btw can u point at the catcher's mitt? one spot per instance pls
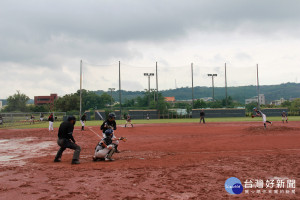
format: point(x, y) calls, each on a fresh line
point(124, 139)
point(252, 116)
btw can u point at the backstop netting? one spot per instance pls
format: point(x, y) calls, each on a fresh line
point(241, 81)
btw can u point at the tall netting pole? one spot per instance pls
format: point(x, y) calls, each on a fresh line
point(157, 106)
point(120, 95)
point(258, 103)
point(226, 99)
point(192, 85)
point(80, 106)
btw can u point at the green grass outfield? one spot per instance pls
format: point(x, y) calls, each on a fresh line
point(158, 121)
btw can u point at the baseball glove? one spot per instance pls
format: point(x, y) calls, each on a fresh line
point(252, 116)
point(124, 139)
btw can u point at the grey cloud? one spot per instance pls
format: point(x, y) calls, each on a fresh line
point(53, 34)
point(34, 31)
point(243, 56)
point(140, 20)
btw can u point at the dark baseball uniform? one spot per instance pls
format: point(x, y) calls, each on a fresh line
point(66, 140)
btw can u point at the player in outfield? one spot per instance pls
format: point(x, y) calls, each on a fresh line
point(284, 116)
point(110, 123)
point(128, 120)
point(258, 113)
point(83, 121)
point(32, 119)
point(51, 120)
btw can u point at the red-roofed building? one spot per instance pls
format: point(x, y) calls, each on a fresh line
point(170, 99)
point(42, 100)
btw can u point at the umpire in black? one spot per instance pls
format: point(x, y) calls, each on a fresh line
point(66, 140)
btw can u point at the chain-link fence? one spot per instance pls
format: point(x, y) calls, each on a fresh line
point(19, 119)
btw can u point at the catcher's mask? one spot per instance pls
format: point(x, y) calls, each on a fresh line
point(108, 133)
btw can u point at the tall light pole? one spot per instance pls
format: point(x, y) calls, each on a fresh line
point(213, 84)
point(149, 75)
point(111, 89)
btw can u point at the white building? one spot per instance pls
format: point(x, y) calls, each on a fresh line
point(278, 102)
point(262, 100)
point(206, 99)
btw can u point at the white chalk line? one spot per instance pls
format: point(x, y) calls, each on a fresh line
point(94, 132)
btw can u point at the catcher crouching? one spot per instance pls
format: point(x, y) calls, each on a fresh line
point(106, 148)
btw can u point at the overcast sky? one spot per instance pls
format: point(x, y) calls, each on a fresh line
point(43, 41)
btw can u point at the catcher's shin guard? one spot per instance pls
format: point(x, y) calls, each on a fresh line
point(110, 154)
point(116, 148)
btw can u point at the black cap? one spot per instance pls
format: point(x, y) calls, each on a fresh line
point(70, 118)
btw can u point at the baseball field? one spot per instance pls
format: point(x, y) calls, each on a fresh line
point(159, 161)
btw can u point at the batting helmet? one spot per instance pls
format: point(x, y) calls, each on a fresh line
point(111, 116)
point(254, 108)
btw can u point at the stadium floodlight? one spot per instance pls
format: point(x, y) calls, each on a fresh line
point(111, 89)
point(213, 84)
point(149, 75)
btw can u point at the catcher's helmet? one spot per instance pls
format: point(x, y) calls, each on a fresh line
point(111, 116)
point(108, 133)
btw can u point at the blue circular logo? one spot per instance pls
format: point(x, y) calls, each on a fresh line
point(233, 186)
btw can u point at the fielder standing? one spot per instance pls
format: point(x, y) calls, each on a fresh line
point(51, 120)
point(83, 121)
point(41, 117)
point(284, 116)
point(32, 119)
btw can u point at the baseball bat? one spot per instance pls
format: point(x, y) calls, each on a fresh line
point(100, 116)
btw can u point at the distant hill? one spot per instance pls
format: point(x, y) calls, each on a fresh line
point(240, 93)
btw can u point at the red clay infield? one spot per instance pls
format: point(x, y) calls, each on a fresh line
point(165, 161)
